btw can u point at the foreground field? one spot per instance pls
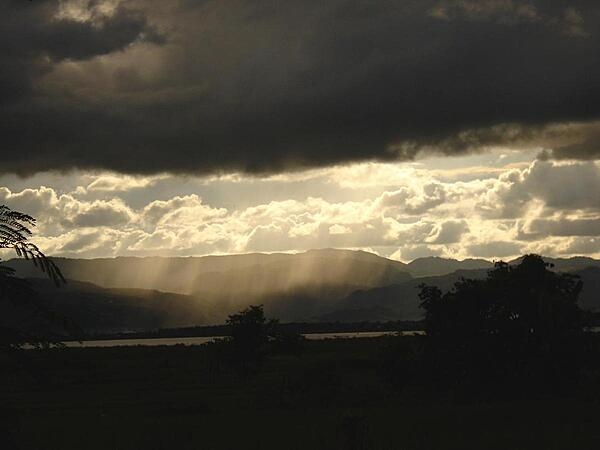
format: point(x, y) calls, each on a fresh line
point(330, 397)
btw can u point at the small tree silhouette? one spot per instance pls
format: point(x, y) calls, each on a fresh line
point(522, 320)
point(252, 337)
point(250, 332)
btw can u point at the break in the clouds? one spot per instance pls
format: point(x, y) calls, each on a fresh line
point(178, 86)
point(496, 205)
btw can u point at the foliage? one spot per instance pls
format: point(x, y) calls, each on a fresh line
point(33, 325)
point(521, 301)
point(253, 336)
point(250, 330)
point(14, 234)
point(521, 322)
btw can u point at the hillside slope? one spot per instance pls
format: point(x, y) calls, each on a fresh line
point(401, 301)
point(100, 310)
point(252, 274)
point(319, 285)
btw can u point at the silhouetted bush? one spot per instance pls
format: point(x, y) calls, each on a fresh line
point(252, 337)
point(519, 326)
point(249, 331)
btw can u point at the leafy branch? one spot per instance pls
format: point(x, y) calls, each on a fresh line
point(15, 230)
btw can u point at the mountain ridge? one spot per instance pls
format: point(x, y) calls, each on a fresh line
point(133, 293)
point(419, 267)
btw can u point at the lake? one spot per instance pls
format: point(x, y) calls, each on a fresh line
point(199, 340)
point(205, 339)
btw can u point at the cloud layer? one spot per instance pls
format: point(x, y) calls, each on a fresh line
point(147, 86)
point(397, 210)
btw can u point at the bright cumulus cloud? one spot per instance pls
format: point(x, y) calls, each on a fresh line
point(497, 205)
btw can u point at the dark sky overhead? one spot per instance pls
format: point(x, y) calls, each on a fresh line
point(456, 128)
point(267, 86)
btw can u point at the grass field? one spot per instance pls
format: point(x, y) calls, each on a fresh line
point(329, 397)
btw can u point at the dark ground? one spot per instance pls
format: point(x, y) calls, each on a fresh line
point(330, 397)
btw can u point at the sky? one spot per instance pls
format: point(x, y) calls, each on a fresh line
point(456, 128)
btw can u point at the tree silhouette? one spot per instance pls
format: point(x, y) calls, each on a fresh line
point(14, 234)
point(25, 319)
point(17, 296)
point(521, 320)
point(249, 331)
point(252, 337)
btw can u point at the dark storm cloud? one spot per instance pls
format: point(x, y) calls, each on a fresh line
point(264, 86)
point(33, 38)
point(587, 148)
point(563, 227)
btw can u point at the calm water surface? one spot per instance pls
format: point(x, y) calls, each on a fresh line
point(204, 340)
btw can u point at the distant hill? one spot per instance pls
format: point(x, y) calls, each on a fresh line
point(401, 301)
point(134, 294)
point(253, 275)
point(291, 286)
point(258, 274)
point(301, 285)
point(574, 264)
point(100, 310)
point(434, 265)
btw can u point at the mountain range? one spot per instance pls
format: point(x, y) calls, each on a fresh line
point(140, 294)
